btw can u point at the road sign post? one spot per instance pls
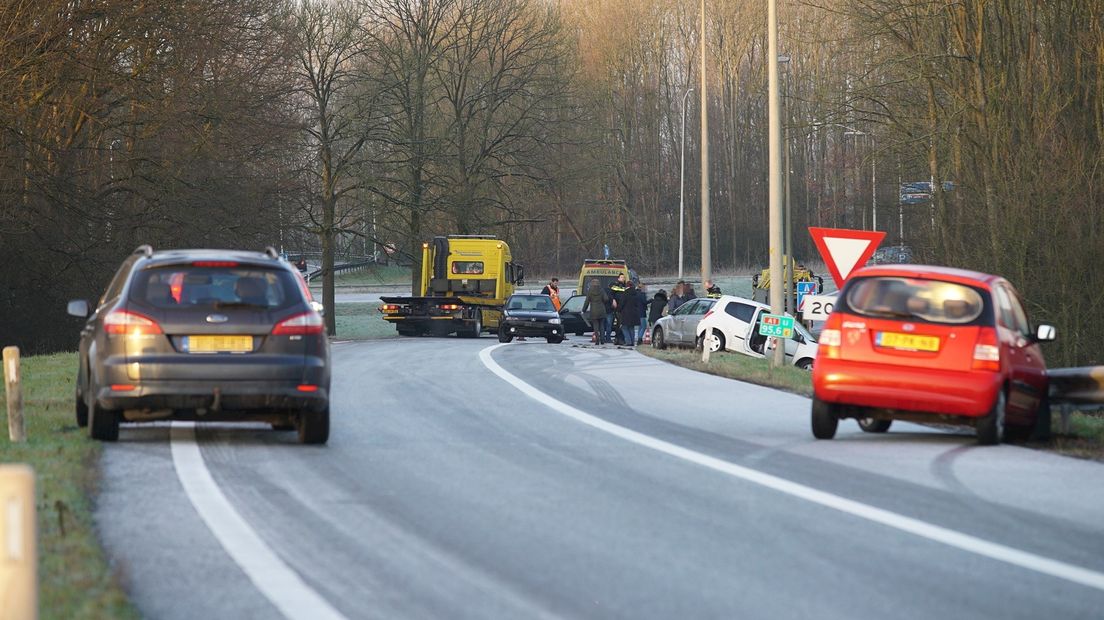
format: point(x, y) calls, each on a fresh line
point(18, 544)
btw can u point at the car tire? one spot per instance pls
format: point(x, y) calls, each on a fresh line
point(503, 336)
point(103, 424)
point(81, 411)
point(872, 425)
point(657, 339)
point(716, 342)
point(805, 364)
point(314, 427)
point(477, 326)
point(1040, 431)
point(825, 419)
point(555, 339)
point(990, 429)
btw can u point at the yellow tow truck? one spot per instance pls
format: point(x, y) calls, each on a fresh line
point(465, 281)
point(760, 282)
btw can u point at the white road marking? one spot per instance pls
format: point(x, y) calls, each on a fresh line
point(953, 538)
point(281, 585)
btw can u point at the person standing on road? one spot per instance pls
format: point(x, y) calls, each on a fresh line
point(596, 300)
point(630, 314)
point(656, 308)
point(642, 298)
point(677, 298)
point(552, 289)
point(615, 292)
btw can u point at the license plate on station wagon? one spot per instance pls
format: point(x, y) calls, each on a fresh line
point(218, 344)
point(907, 342)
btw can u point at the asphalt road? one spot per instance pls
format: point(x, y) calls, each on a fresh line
point(634, 490)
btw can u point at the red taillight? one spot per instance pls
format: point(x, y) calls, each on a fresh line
point(214, 263)
point(830, 339)
point(385, 308)
point(450, 306)
point(127, 323)
point(122, 387)
point(299, 325)
point(987, 350)
point(308, 388)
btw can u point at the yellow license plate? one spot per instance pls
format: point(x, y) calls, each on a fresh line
point(220, 344)
point(910, 342)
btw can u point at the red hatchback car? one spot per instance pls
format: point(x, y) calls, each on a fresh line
point(930, 344)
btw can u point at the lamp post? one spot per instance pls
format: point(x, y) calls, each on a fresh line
point(706, 257)
point(775, 152)
point(682, 177)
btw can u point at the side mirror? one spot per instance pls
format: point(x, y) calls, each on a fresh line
point(1045, 333)
point(318, 307)
point(78, 307)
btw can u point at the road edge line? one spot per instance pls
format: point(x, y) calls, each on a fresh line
point(273, 578)
point(965, 542)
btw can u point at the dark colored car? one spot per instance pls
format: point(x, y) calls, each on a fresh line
point(530, 315)
point(930, 344)
point(571, 316)
point(215, 335)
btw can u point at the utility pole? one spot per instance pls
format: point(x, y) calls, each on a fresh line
point(788, 249)
point(706, 258)
point(775, 176)
point(682, 177)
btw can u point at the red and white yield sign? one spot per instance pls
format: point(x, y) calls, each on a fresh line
point(843, 250)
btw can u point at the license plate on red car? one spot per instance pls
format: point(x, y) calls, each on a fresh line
point(907, 342)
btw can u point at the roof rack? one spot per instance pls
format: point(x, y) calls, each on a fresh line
point(144, 249)
point(271, 252)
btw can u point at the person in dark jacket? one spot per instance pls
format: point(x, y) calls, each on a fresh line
point(629, 311)
point(677, 297)
point(655, 309)
point(642, 297)
point(615, 291)
point(596, 300)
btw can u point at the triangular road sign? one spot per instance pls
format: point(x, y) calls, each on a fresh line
point(843, 250)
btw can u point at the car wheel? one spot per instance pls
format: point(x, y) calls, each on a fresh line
point(716, 341)
point(503, 336)
point(657, 339)
point(555, 339)
point(805, 364)
point(990, 429)
point(103, 424)
point(314, 427)
point(872, 425)
point(825, 420)
point(477, 325)
point(82, 411)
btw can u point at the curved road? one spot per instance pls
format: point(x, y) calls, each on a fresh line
point(631, 489)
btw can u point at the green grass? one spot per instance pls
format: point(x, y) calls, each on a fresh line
point(1085, 437)
point(362, 321)
point(741, 367)
point(74, 578)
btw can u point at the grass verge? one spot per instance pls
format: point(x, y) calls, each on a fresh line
point(1083, 439)
point(362, 321)
point(74, 578)
point(740, 367)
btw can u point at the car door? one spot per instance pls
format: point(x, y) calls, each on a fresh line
point(741, 315)
point(571, 315)
point(1027, 369)
point(677, 326)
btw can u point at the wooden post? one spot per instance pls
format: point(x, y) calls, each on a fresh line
point(16, 430)
point(18, 544)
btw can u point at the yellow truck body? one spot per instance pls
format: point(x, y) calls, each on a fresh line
point(463, 285)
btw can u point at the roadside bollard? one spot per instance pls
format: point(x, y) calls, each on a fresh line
point(18, 563)
point(16, 430)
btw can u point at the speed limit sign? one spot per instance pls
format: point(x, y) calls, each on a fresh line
point(817, 307)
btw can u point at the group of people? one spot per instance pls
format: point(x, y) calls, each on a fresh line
point(622, 312)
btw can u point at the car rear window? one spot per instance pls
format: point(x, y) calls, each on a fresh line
point(193, 286)
point(934, 301)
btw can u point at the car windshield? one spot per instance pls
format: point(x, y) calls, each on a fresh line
point(934, 301)
point(218, 287)
point(541, 303)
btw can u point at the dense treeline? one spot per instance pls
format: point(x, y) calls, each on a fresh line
point(355, 125)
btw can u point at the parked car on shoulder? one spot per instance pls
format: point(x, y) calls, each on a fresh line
point(530, 315)
point(930, 344)
point(218, 335)
point(679, 329)
point(733, 325)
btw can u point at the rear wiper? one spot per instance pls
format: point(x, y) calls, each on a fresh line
point(238, 304)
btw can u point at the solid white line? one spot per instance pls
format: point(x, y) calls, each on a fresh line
point(965, 542)
point(281, 585)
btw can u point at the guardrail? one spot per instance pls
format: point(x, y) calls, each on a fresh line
point(339, 268)
point(1077, 386)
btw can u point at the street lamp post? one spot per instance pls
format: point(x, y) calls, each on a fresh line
point(873, 172)
point(775, 167)
point(706, 257)
point(682, 177)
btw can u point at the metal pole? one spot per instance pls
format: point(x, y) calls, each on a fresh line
point(791, 292)
point(682, 178)
point(874, 180)
point(775, 175)
point(706, 258)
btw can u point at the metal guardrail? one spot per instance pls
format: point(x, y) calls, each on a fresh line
point(1080, 385)
point(339, 268)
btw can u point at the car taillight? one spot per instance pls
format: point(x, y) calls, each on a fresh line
point(707, 315)
point(830, 339)
point(127, 323)
point(299, 325)
point(450, 306)
point(385, 308)
point(214, 263)
point(987, 350)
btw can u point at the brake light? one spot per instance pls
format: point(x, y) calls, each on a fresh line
point(299, 325)
point(987, 350)
point(830, 339)
point(215, 263)
point(122, 387)
point(127, 323)
point(450, 306)
point(386, 308)
point(307, 388)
